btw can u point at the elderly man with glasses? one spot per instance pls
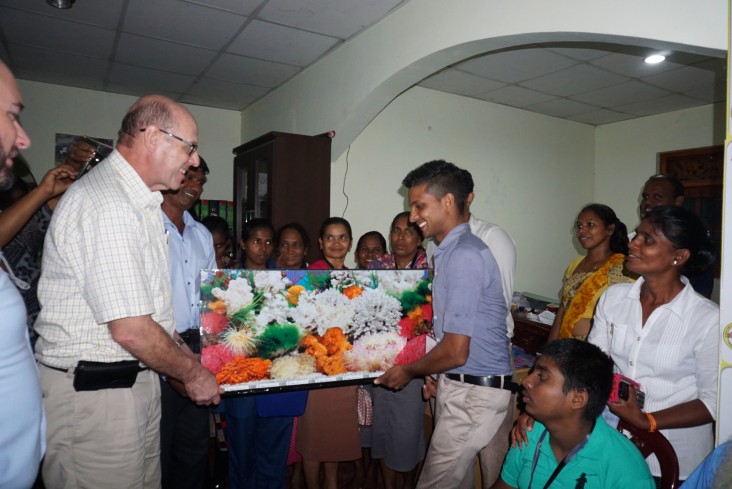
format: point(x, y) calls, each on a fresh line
point(106, 324)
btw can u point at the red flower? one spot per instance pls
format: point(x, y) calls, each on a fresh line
point(406, 327)
point(213, 323)
point(216, 356)
point(412, 351)
point(427, 312)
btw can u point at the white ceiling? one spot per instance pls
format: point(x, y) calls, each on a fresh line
point(229, 53)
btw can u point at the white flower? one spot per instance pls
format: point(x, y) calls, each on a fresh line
point(399, 281)
point(364, 278)
point(318, 311)
point(270, 282)
point(341, 279)
point(275, 310)
point(375, 312)
point(237, 296)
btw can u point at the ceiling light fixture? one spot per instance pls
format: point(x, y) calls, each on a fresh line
point(654, 59)
point(60, 3)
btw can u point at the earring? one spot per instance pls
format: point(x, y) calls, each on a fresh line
point(675, 262)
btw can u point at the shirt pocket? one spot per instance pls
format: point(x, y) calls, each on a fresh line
point(620, 336)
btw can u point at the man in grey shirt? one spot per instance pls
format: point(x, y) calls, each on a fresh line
point(472, 354)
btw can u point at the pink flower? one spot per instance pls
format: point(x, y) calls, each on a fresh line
point(213, 323)
point(216, 356)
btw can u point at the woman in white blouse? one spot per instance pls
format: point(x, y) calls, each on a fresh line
point(663, 335)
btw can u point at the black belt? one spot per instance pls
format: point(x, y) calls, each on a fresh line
point(64, 370)
point(495, 381)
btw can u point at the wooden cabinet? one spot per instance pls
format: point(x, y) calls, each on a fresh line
point(529, 335)
point(284, 178)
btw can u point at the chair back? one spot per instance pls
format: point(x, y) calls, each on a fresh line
point(655, 443)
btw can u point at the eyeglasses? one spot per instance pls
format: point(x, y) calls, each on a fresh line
point(192, 147)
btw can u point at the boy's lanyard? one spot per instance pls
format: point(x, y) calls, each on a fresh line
point(567, 458)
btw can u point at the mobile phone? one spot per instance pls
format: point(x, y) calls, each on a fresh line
point(621, 390)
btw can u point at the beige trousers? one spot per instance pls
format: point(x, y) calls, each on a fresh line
point(101, 439)
point(467, 419)
point(492, 456)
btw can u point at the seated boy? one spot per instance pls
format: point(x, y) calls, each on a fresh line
point(570, 445)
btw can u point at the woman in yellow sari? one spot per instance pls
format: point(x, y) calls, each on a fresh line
point(605, 237)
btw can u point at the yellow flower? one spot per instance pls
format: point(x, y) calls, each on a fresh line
point(415, 315)
point(219, 307)
point(293, 294)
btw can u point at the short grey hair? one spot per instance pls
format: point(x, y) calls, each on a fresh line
point(152, 110)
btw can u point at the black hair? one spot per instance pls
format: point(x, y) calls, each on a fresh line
point(335, 220)
point(253, 224)
point(378, 236)
point(202, 165)
point(300, 230)
point(676, 184)
point(410, 223)
point(684, 229)
point(216, 224)
point(585, 368)
point(619, 238)
point(442, 178)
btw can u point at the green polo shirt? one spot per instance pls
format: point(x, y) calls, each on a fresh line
point(609, 460)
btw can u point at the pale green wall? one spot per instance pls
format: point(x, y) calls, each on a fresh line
point(520, 162)
point(533, 173)
point(626, 152)
point(53, 108)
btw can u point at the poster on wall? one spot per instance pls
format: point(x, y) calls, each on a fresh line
point(275, 330)
point(64, 143)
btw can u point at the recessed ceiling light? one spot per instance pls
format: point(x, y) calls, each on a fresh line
point(60, 3)
point(654, 59)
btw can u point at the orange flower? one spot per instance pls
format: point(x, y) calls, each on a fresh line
point(352, 292)
point(242, 369)
point(313, 347)
point(327, 351)
point(331, 365)
point(335, 341)
point(293, 294)
point(219, 307)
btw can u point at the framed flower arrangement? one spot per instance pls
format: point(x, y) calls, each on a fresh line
point(274, 330)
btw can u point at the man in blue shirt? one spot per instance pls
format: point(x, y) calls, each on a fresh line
point(184, 426)
point(472, 354)
point(570, 445)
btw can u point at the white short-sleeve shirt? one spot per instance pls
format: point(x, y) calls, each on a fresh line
point(104, 258)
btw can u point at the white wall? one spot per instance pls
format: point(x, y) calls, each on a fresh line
point(520, 162)
point(51, 109)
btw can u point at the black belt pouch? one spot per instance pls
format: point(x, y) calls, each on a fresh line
point(94, 376)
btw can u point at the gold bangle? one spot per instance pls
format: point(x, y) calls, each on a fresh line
point(651, 420)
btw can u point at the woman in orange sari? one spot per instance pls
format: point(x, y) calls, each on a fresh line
point(605, 237)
